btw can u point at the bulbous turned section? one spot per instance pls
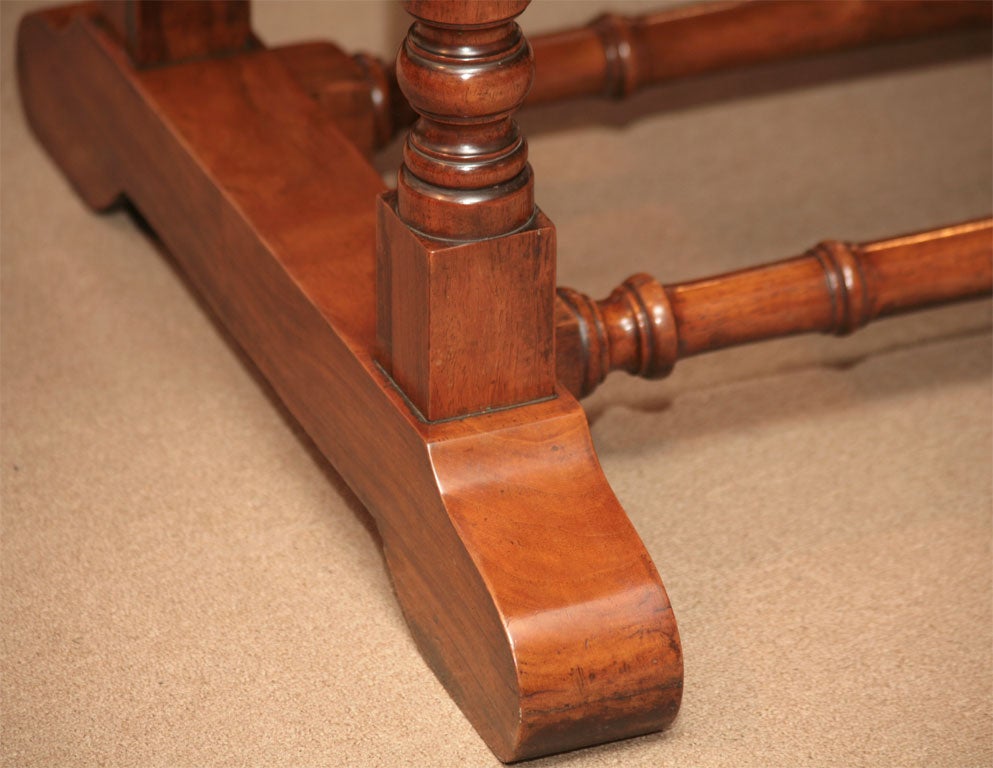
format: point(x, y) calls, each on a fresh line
point(465, 68)
point(389, 108)
point(633, 330)
point(835, 287)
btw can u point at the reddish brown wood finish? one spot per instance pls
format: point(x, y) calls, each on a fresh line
point(466, 264)
point(644, 328)
point(524, 583)
point(465, 68)
point(355, 90)
point(527, 589)
point(466, 327)
point(616, 55)
point(160, 31)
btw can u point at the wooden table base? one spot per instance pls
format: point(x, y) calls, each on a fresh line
point(524, 583)
point(527, 589)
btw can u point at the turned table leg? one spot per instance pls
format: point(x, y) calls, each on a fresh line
point(466, 263)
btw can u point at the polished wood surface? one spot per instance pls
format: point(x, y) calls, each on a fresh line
point(644, 327)
point(414, 337)
point(160, 31)
point(616, 55)
point(355, 90)
point(465, 68)
point(466, 264)
point(524, 583)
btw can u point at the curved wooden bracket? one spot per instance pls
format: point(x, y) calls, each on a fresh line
point(528, 590)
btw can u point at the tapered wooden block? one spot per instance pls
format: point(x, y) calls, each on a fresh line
point(466, 327)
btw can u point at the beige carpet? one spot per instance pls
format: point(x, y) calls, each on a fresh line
point(186, 583)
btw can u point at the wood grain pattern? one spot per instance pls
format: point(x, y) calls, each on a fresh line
point(527, 589)
point(644, 327)
point(523, 582)
point(615, 55)
point(353, 89)
point(465, 68)
point(162, 31)
point(466, 263)
point(466, 327)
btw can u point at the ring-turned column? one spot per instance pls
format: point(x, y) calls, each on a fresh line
point(466, 262)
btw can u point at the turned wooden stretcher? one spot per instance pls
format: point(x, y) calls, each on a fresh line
point(418, 334)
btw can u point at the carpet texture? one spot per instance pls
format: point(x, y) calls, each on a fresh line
point(186, 582)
